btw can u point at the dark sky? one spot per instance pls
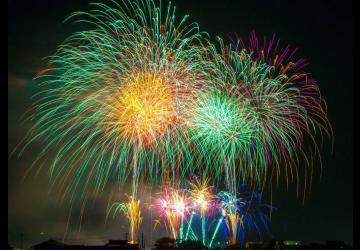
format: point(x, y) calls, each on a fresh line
point(321, 29)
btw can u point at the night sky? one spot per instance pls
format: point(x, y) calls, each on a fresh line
point(322, 30)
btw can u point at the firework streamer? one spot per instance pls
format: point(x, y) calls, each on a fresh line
point(231, 207)
point(217, 228)
point(254, 214)
point(189, 225)
point(201, 193)
point(131, 211)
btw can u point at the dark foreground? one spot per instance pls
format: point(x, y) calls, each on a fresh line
point(170, 244)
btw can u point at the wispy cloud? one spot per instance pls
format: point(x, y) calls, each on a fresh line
point(17, 81)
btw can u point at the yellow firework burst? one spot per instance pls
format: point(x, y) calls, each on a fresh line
point(142, 109)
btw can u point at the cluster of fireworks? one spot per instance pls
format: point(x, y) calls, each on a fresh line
point(181, 210)
point(141, 94)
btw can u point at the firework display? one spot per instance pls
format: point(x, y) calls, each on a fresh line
point(143, 99)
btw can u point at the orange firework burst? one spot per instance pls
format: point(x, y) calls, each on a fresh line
point(143, 109)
